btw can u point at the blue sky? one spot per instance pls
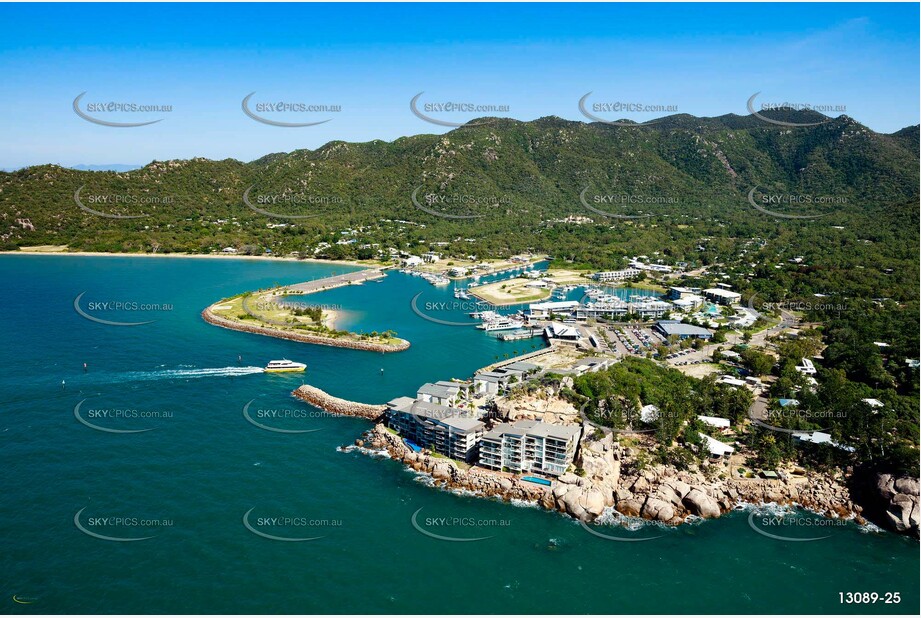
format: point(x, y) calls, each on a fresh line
point(202, 59)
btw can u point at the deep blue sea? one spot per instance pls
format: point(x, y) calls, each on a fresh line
point(74, 497)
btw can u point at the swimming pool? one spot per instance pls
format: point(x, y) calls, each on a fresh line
point(534, 479)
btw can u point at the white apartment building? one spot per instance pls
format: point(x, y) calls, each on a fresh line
point(616, 275)
point(530, 446)
point(443, 429)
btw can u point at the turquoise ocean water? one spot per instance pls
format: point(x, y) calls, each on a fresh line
point(188, 482)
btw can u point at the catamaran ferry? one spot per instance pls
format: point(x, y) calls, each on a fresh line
point(500, 323)
point(278, 366)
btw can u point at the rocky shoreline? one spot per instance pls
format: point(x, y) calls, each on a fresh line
point(660, 494)
point(209, 316)
point(610, 478)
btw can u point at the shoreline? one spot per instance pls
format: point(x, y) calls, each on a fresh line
point(368, 346)
point(264, 327)
point(207, 256)
point(662, 494)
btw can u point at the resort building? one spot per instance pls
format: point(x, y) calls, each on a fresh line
point(499, 379)
point(675, 292)
point(714, 421)
point(442, 392)
point(806, 367)
point(683, 331)
point(530, 446)
point(715, 447)
point(443, 429)
point(616, 275)
point(688, 302)
point(721, 296)
point(431, 257)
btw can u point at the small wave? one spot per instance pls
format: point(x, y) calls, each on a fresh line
point(612, 517)
point(870, 528)
point(524, 504)
point(354, 448)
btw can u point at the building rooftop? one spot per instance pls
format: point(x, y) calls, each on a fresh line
point(549, 306)
point(533, 428)
point(715, 446)
point(439, 390)
point(670, 327)
point(722, 293)
point(521, 366)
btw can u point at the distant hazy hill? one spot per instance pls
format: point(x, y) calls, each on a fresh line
point(107, 167)
point(513, 176)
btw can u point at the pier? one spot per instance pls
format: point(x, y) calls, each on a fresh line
point(336, 281)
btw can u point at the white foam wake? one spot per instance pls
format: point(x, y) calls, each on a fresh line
point(174, 374)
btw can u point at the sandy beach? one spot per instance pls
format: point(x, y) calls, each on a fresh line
point(53, 250)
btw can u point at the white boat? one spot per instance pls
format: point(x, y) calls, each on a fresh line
point(501, 323)
point(461, 293)
point(279, 366)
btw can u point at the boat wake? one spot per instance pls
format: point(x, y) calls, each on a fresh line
point(183, 374)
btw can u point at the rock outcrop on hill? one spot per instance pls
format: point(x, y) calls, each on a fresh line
point(900, 501)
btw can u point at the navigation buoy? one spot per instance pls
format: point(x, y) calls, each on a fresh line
point(382, 370)
point(84, 367)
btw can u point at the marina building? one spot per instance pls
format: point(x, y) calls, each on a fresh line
point(443, 429)
point(555, 331)
point(542, 311)
point(529, 446)
point(613, 308)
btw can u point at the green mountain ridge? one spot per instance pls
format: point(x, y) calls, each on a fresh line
point(509, 178)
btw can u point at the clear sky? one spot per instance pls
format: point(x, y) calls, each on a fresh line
point(202, 59)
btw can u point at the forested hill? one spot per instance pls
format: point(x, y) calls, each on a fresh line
point(502, 184)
